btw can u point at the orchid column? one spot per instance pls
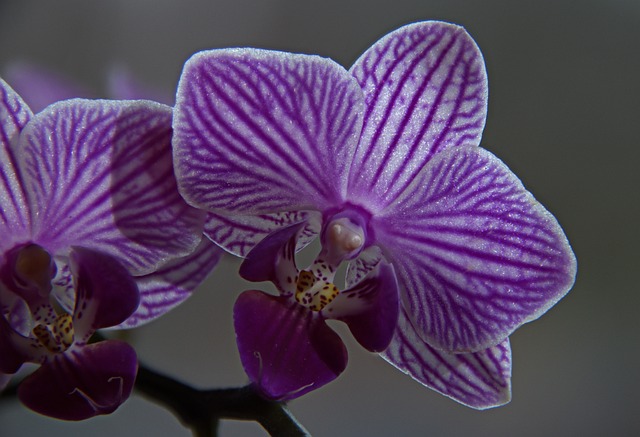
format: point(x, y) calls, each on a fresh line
point(448, 253)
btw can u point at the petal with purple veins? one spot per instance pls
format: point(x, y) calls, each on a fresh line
point(14, 215)
point(259, 131)
point(174, 282)
point(479, 380)
point(425, 89)
point(475, 254)
point(83, 382)
point(285, 349)
point(99, 174)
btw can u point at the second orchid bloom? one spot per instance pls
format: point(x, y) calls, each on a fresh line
point(447, 252)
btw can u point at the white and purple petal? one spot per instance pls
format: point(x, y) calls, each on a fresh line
point(172, 283)
point(479, 380)
point(83, 382)
point(238, 234)
point(476, 255)
point(259, 131)
point(285, 349)
point(99, 174)
point(425, 89)
point(14, 215)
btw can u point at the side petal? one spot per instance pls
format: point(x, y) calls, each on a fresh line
point(99, 174)
point(14, 215)
point(273, 259)
point(15, 349)
point(174, 282)
point(106, 294)
point(259, 131)
point(83, 382)
point(285, 349)
point(479, 380)
point(369, 308)
point(476, 255)
point(238, 234)
point(425, 90)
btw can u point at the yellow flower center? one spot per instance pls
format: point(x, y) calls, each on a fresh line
point(314, 293)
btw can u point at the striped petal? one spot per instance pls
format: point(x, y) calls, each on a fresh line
point(172, 283)
point(258, 131)
point(425, 90)
point(479, 380)
point(14, 219)
point(476, 255)
point(238, 234)
point(99, 175)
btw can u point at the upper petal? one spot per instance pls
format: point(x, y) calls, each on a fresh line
point(14, 216)
point(476, 255)
point(479, 380)
point(99, 174)
point(425, 89)
point(83, 382)
point(172, 283)
point(259, 131)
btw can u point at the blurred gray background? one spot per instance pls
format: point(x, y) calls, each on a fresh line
point(564, 106)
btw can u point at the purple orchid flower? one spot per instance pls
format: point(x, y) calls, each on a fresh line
point(92, 230)
point(447, 252)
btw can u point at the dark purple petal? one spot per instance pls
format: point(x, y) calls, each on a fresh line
point(369, 308)
point(14, 215)
point(40, 87)
point(479, 380)
point(259, 131)
point(425, 90)
point(173, 283)
point(273, 259)
point(285, 349)
point(83, 382)
point(99, 174)
point(106, 294)
point(238, 234)
point(476, 255)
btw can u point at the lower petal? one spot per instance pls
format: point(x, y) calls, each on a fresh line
point(83, 382)
point(479, 380)
point(285, 349)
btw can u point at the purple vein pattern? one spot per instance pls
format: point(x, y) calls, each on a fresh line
point(389, 153)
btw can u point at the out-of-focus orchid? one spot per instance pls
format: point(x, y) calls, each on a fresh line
point(92, 228)
point(39, 87)
point(383, 162)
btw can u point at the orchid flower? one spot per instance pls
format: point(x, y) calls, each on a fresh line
point(447, 252)
point(93, 229)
